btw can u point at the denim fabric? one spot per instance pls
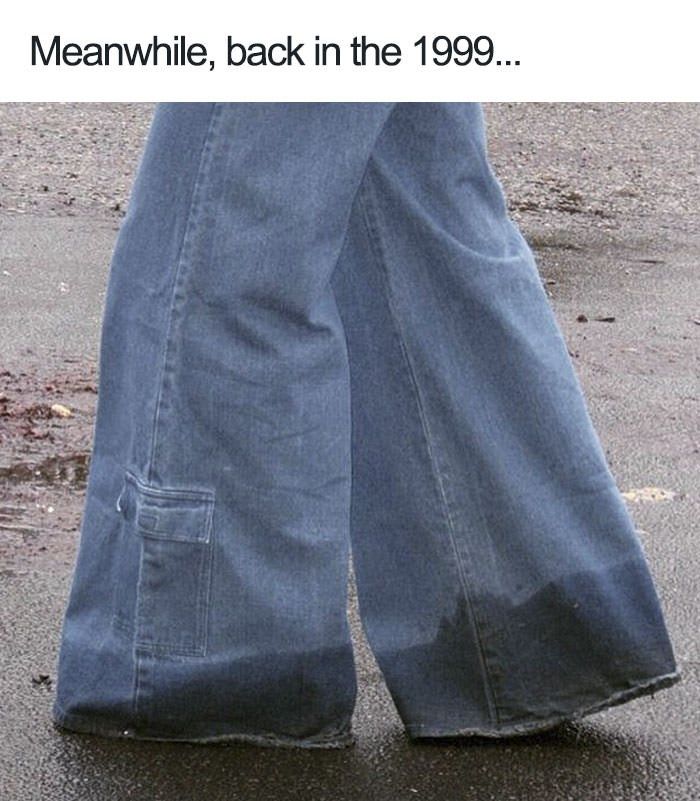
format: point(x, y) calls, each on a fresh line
point(323, 331)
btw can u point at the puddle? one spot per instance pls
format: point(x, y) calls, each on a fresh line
point(47, 408)
point(71, 469)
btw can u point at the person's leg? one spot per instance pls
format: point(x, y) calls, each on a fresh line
point(501, 581)
point(209, 594)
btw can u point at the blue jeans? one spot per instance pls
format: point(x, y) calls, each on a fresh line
point(323, 331)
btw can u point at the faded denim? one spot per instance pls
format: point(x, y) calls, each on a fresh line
point(322, 330)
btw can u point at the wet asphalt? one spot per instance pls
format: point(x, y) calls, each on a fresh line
point(608, 196)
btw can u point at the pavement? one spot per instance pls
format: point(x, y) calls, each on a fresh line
point(608, 196)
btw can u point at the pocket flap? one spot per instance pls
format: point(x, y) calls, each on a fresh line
point(183, 514)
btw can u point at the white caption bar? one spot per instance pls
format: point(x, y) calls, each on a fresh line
point(299, 51)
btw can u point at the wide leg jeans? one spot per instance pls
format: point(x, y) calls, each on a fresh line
point(322, 331)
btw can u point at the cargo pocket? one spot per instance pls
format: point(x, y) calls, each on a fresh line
point(164, 598)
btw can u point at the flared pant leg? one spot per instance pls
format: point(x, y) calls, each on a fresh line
point(501, 582)
point(209, 594)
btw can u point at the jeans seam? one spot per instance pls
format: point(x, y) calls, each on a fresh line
point(136, 701)
point(183, 253)
point(378, 252)
point(358, 191)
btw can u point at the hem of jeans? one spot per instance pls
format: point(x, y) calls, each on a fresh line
point(427, 730)
point(83, 724)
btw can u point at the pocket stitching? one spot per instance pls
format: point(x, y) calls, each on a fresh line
point(203, 511)
point(175, 493)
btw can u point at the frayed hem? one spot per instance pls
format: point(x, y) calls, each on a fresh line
point(82, 725)
point(417, 731)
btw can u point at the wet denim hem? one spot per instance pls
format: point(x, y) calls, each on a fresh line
point(425, 730)
point(114, 729)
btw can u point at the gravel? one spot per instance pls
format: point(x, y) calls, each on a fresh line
point(563, 165)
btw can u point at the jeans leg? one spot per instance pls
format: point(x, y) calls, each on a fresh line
point(209, 594)
point(501, 581)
